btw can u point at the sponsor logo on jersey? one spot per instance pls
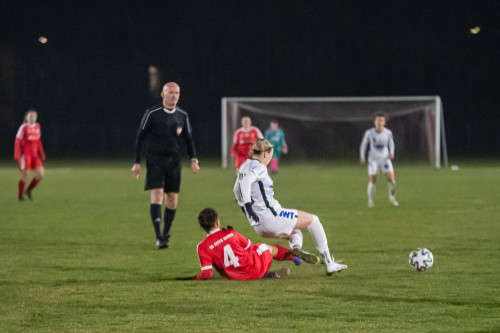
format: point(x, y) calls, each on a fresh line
point(219, 241)
point(288, 215)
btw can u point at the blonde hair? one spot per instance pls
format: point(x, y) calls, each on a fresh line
point(25, 121)
point(260, 146)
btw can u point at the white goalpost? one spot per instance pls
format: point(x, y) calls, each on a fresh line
point(332, 127)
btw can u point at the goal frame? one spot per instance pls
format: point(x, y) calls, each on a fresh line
point(439, 130)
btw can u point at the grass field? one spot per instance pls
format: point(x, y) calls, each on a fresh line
point(81, 256)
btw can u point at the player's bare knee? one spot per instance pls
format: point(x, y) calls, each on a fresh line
point(171, 200)
point(390, 177)
point(24, 176)
point(157, 196)
point(304, 220)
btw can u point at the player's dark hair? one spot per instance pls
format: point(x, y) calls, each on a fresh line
point(260, 146)
point(207, 219)
point(380, 114)
point(274, 121)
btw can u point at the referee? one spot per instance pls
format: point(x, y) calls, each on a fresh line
point(164, 125)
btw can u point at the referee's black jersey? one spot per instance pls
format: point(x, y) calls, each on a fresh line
point(164, 130)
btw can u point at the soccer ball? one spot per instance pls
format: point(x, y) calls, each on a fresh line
point(421, 259)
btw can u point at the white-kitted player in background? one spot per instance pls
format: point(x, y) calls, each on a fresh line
point(255, 194)
point(379, 157)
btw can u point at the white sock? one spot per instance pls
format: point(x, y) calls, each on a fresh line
point(319, 237)
point(371, 191)
point(392, 189)
point(295, 239)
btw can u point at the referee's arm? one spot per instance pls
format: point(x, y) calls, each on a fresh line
point(139, 140)
point(188, 139)
point(141, 135)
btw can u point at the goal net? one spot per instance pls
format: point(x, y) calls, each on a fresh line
point(331, 128)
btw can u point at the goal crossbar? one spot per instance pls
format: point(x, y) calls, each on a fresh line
point(347, 109)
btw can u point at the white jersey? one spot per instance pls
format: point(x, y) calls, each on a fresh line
point(381, 144)
point(253, 184)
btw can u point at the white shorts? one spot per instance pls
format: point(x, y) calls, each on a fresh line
point(375, 165)
point(279, 226)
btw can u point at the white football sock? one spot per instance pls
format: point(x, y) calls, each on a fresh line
point(319, 237)
point(371, 191)
point(392, 189)
point(295, 239)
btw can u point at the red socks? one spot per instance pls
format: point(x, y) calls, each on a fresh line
point(283, 253)
point(33, 184)
point(21, 189)
point(22, 185)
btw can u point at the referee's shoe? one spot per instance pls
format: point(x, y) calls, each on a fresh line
point(161, 242)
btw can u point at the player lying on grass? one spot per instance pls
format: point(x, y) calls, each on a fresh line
point(234, 256)
point(255, 194)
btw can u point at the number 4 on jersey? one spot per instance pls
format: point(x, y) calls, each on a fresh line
point(229, 257)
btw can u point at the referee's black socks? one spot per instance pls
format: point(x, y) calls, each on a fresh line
point(155, 212)
point(168, 219)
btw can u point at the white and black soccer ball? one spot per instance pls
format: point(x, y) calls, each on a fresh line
point(421, 259)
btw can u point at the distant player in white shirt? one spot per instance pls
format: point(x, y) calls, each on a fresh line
point(255, 195)
point(379, 157)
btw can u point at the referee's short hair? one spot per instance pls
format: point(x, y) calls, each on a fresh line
point(207, 219)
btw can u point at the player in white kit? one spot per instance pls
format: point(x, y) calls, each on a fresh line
point(255, 195)
point(379, 157)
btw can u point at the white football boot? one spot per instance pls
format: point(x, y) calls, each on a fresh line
point(332, 266)
point(393, 201)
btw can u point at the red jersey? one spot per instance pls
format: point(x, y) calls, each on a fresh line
point(243, 141)
point(233, 256)
point(28, 142)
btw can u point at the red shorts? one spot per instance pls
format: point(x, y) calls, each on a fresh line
point(262, 259)
point(266, 258)
point(240, 159)
point(28, 162)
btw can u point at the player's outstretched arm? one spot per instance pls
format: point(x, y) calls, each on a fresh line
point(204, 275)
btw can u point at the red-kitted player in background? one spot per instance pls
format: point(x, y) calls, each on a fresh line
point(28, 150)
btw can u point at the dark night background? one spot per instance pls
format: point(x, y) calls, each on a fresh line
point(90, 82)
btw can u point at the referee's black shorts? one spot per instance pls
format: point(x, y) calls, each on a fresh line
point(163, 172)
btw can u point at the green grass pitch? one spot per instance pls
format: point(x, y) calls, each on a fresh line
point(81, 256)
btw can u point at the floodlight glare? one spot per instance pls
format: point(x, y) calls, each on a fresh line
point(475, 30)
